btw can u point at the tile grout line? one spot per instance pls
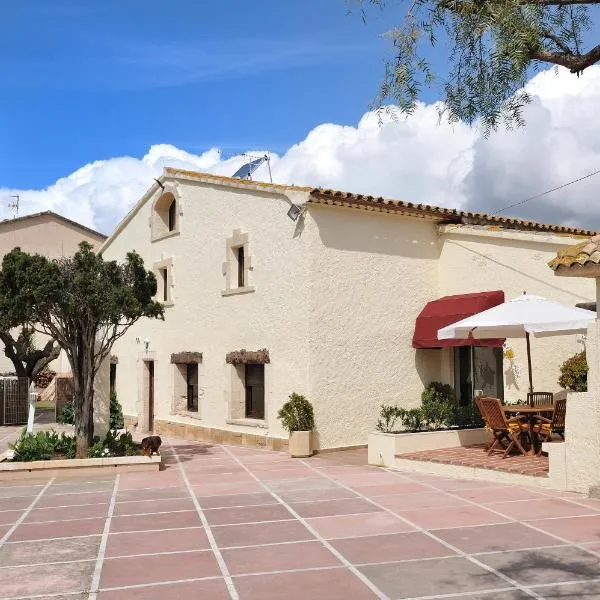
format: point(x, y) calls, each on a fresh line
point(272, 544)
point(569, 500)
point(321, 539)
point(428, 533)
point(103, 542)
point(91, 535)
point(467, 594)
point(530, 526)
point(25, 514)
point(209, 534)
point(462, 594)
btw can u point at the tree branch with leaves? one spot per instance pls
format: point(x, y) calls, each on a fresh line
point(85, 304)
point(495, 46)
point(28, 360)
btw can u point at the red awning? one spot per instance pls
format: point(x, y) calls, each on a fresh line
point(451, 309)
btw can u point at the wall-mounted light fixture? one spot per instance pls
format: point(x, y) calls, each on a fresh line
point(294, 212)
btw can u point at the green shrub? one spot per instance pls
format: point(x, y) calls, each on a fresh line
point(438, 405)
point(31, 447)
point(66, 414)
point(127, 446)
point(414, 420)
point(297, 414)
point(99, 450)
point(46, 445)
point(116, 413)
point(114, 444)
point(573, 373)
point(388, 415)
point(65, 445)
point(468, 416)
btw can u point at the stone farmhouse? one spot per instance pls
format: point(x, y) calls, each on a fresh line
point(272, 289)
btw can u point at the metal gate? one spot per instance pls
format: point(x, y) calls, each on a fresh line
point(14, 399)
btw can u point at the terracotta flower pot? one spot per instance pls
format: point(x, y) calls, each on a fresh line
point(300, 444)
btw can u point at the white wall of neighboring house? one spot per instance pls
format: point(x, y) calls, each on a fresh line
point(52, 236)
point(335, 300)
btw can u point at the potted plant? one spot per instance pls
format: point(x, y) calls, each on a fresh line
point(297, 417)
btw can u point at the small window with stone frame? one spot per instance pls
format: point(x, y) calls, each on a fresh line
point(191, 370)
point(254, 384)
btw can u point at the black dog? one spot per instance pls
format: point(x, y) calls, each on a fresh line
point(150, 445)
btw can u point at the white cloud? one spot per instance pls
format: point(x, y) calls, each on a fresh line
point(413, 159)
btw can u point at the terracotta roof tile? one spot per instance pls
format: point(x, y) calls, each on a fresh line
point(447, 215)
point(578, 255)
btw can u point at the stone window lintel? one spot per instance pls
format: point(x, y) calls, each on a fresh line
point(178, 358)
point(248, 357)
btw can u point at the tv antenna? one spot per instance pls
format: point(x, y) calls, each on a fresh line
point(246, 170)
point(15, 205)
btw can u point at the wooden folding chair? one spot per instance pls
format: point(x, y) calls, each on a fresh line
point(546, 428)
point(506, 433)
point(540, 398)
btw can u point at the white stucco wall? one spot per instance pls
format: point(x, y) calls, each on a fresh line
point(370, 276)
point(475, 259)
point(201, 319)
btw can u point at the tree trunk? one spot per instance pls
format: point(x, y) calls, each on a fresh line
point(83, 398)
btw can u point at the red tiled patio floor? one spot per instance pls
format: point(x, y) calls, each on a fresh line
point(474, 456)
point(223, 522)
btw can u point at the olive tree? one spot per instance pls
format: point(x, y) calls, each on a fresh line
point(492, 48)
point(85, 304)
point(28, 360)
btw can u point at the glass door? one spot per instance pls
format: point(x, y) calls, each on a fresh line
point(476, 368)
point(487, 372)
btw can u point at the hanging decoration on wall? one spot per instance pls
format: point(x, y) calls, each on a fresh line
point(509, 355)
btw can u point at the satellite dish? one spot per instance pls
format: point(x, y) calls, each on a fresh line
point(246, 170)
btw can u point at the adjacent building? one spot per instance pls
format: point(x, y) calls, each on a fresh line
point(51, 235)
point(272, 289)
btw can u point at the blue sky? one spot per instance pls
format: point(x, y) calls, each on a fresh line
point(97, 96)
point(94, 79)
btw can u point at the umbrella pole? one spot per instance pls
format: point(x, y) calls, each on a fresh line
point(529, 362)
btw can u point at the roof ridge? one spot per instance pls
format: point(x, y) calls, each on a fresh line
point(328, 196)
point(51, 213)
point(202, 175)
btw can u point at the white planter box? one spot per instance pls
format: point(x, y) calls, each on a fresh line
point(77, 466)
point(383, 447)
point(300, 444)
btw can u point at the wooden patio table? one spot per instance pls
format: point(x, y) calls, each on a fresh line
point(530, 412)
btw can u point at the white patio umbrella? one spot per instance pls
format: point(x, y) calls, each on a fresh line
point(519, 318)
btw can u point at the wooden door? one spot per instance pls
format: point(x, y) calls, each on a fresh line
point(150, 365)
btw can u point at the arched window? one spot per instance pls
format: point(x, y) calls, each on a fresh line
point(172, 215)
point(165, 217)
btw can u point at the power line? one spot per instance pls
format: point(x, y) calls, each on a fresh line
point(560, 187)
